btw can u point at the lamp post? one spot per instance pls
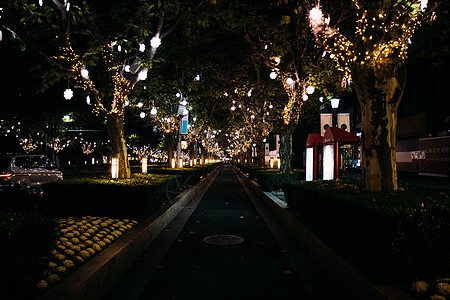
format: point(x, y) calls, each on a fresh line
point(335, 106)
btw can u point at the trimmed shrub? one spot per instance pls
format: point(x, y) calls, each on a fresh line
point(135, 198)
point(401, 234)
point(270, 179)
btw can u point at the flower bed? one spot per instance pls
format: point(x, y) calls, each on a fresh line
point(390, 238)
point(77, 241)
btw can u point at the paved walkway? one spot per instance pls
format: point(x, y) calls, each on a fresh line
point(268, 264)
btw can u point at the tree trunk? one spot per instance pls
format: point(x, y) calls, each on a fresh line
point(379, 93)
point(260, 153)
point(192, 153)
point(286, 149)
point(114, 123)
point(169, 139)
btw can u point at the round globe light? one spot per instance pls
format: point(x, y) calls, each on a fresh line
point(289, 81)
point(315, 14)
point(310, 90)
point(273, 75)
point(155, 42)
point(85, 73)
point(68, 94)
point(142, 74)
point(142, 115)
point(153, 112)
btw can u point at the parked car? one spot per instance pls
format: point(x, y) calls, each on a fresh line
point(28, 169)
point(19, 196)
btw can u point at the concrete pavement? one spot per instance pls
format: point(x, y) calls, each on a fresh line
point(266, 264)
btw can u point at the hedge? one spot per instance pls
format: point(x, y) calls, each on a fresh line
point(402, 235)
point(25, 240)
point(270, 179)
point(135, 198)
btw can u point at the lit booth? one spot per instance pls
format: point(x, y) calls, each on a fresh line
point(332, 141)
point(313, 143)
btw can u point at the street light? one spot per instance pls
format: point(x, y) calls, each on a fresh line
point(334, 106)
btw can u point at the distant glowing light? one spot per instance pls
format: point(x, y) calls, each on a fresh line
point(277, 59)
point(197, 78)
point(225, 94)
point(141, 47)
point(233, 108)
point(305, 97)
point(310, 90)
point(155, 42)
point(41, 2)
point(289, 81)
point(153, 112)
point(142, 74)
point(68, 94)
point(316, 15)
point(119, 48)
point(88, 100)
point(142, 115)
point(85, 73)
point(273, 75)
point(249, 94)
point(127, 68)
point(423, 4)
point(140, 104)
point(178, 95)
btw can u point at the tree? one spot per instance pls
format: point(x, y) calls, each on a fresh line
point(106, 59)
point(374, 60)
point(279, 37)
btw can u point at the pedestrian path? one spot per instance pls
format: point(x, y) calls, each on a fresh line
point(201, 263)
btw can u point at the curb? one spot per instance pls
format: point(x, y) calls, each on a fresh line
point(342, 273)
point(99, 275)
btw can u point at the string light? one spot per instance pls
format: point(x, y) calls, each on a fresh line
point(380, 40)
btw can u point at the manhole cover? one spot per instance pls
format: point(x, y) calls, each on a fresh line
point(223, 239)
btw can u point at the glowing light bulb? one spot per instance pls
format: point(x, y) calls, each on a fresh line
point(153, 112)
point(289, 81)
point(68, 94)
point(84, 73)
point(273, 75)
point(142, 74)
point(127, 68)
point(141, 47)
point(88, 100)
point(142, 115)
point(315, 15)
point(140, 104)
point(310, 90)
point(305, 97)
point(155, 42)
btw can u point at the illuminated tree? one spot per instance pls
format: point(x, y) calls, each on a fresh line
point(373, 58)
point(106, 51)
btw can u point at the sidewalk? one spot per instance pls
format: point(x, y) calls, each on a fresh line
point(267, 264)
